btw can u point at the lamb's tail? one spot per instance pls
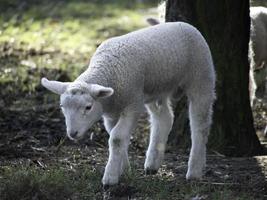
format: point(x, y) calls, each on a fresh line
point(152, 21)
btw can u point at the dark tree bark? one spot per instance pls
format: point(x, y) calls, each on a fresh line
point(225, 24)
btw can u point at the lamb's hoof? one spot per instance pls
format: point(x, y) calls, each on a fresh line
point(150, 171)
point(110, 180)
point(106, 187)
point(109, 187)
point(193, 176)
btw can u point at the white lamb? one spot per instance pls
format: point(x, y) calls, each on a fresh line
point(257, 49)
point(144, 67)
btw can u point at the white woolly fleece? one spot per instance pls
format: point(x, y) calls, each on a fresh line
point(143, 64)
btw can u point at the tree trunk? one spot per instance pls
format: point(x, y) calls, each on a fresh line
point(225, 24)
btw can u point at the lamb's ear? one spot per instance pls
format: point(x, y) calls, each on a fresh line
point(152, 21)
point(99, 91)
point(55, 86)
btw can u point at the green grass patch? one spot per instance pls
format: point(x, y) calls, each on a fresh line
point(85, 183)
point(258, 3)
point(36, 36)
point(52, 183)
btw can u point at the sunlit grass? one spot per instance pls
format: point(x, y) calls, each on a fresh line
point(60, 35)
point(258, 3)
point(70, 27)
point(71, 35)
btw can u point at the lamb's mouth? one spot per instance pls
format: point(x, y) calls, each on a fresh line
point(76, 137)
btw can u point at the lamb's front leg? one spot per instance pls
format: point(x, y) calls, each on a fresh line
point(118, 148)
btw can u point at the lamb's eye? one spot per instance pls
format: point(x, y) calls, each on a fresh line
point(88, 107)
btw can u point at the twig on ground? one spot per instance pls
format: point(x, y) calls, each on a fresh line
point(61, 142)
point(217, 183)
point(218, 154)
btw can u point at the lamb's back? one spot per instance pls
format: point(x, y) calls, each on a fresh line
point(162, 55)
point(150, 61)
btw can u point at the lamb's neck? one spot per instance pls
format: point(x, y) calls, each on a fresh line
point(94, 76)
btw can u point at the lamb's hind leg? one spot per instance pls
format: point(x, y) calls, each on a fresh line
point(161, 119)
point(200, 114)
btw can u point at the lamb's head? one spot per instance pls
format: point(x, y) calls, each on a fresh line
point(80, 103)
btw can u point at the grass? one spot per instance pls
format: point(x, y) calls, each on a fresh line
point(59, 35)
point(55, 183)
point(258, 3)
point(84, 182)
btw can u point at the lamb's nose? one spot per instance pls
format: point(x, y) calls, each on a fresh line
point(73, 134)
